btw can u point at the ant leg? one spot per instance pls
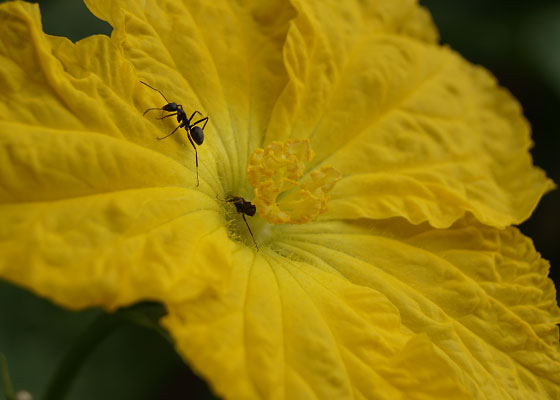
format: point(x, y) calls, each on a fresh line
point(169, 115)
point(205, 119)
point(250, 231)
point(193, 114)
point(150, 109)
point(178, 126)
point(196, 157)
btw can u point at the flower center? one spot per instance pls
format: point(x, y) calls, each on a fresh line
point(280, 198)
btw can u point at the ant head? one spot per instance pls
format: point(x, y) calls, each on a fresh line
point(171, 107)
point(242, 206)
point(249, 209)
point(197, 135)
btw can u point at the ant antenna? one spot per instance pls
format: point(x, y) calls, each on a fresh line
point(159, 91)
point(250, 231)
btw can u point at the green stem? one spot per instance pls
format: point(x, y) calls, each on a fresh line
point(70, 365)
point(7, 382)
point(145, 315)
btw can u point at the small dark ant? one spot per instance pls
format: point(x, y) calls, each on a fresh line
point(194, 132)
point(244, 207)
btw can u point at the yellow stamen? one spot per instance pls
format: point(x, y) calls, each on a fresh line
point(276, 170)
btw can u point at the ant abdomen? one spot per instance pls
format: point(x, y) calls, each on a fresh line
point(197, 135)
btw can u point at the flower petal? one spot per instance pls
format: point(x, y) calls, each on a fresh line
point(320, 44)
point(470, 305)
point(224, 59)
point(87, 87)
point(288, 329)
point(117, 248)
point(89, 213)
point(417, 131)
point(480, 294)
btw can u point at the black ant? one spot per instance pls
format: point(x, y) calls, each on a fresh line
point(194, 132)
point(244, 207)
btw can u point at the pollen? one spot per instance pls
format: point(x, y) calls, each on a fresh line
point(280, 197)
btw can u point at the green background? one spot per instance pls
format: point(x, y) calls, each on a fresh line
point(518, 41)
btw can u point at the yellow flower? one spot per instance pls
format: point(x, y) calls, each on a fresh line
point(275, 171)
point(409, 283)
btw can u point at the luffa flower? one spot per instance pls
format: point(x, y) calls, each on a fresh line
point(402, 280)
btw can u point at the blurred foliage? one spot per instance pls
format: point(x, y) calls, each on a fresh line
point(70, 18)
point(132, 363)
point(518, 41)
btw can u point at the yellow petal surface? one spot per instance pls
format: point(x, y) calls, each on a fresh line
point(287, 329)
point(116, 248)
point(380, 310)
point(417, 131)
point(223, 58)
point(480, 294)
point(92, 211)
